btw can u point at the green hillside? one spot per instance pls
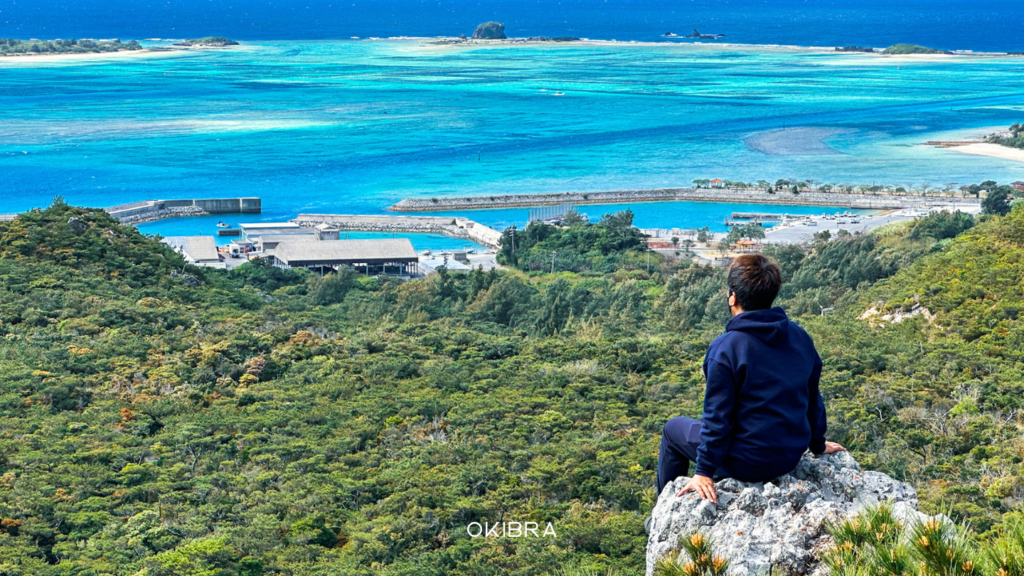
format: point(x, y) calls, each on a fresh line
point(159, 419)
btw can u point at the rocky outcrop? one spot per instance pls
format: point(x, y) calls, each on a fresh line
point(77, 226)
point(776, 526)
point(697, 34)
point(552, 39)
point(490, 31)
point(209, 41)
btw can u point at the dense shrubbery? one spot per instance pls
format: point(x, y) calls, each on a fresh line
point(577, 246)
point(878, 542)
point(1015, 139)
point(157, 418)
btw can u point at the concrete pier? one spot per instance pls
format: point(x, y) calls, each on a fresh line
point(729, 195)
point(456, 227)
point(150, 210)
point(756, 216)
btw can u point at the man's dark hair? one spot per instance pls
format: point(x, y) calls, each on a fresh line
point(755, 280)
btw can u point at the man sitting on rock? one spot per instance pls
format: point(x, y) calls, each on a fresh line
point(762, 407)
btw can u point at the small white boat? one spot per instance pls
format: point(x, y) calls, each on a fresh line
point(559, 93)
point(223, 225)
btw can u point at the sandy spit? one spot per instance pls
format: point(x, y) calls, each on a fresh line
point(994, 150)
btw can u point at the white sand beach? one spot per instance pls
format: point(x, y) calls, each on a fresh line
point(994, 150)
point(37, 58)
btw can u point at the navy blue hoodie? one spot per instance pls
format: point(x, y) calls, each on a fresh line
point(762, 407)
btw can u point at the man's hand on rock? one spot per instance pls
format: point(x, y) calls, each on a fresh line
point(703, 486)
point(833, 447)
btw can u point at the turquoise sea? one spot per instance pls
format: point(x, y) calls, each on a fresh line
point(354, 126)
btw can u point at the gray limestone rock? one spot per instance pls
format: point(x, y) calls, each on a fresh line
point(77, 226)
point(780, 523)
point(490, 31)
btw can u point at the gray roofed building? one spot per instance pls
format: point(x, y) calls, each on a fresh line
point(386, 256)
point(268, 243)
point(199, 250)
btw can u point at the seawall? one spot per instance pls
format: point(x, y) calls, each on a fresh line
point(730, 195)
point(456, 227)
point(150, 210)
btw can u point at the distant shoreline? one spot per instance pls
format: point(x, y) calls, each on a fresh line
point(457, 42)
point(454, 42)
point(58, 56)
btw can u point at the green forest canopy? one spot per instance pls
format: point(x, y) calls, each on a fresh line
point(160, 419)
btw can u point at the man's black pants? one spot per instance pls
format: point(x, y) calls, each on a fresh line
point(679, 442)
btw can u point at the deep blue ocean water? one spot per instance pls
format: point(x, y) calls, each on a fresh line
point(311, 123)
point(992, 25)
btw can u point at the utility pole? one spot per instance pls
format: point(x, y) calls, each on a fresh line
point(648, 259)
point(513, 239)
point(553, 252)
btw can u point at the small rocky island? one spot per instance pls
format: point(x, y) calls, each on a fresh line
point(905, 49)
point(208, 42)
point(698, 35)
point(490, 31)
point(494, 32)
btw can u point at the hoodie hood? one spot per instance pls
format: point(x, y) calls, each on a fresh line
point(769, 326)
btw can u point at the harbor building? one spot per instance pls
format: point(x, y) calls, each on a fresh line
point(392, 256)
point(198, 250)
point(325, 231)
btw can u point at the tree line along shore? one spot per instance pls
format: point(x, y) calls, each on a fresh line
point(36, 47)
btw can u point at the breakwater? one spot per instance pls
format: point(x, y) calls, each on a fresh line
point(730, 195)
point(456, 227)
point(151, 210)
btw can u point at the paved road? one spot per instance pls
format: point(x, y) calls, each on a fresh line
point(801, 232)
point(488, 261)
